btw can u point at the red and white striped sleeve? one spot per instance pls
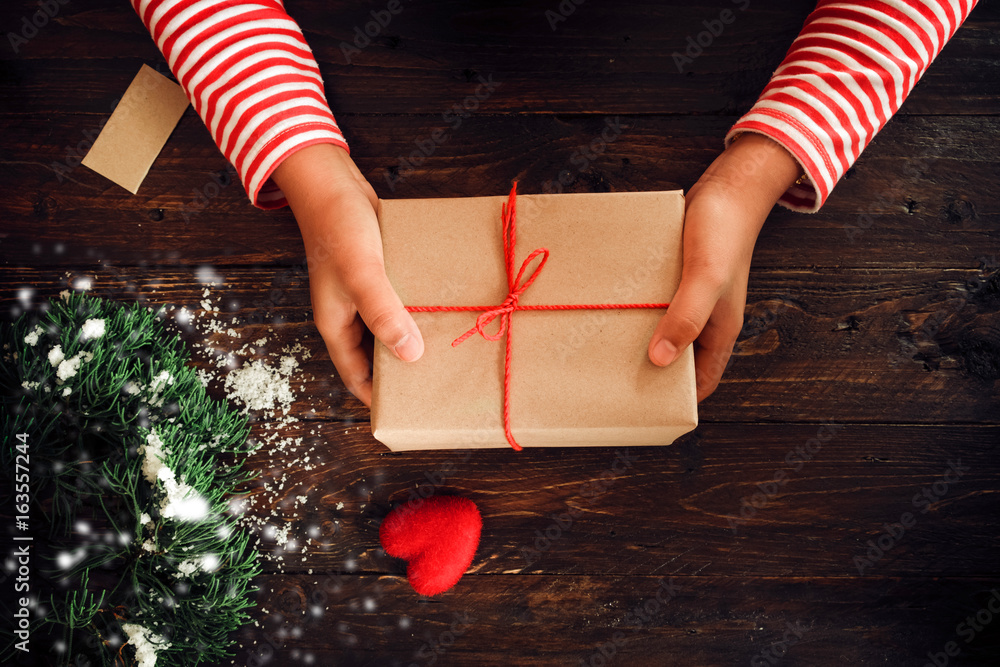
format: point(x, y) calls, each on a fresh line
point(252, 78)
point(844, 76)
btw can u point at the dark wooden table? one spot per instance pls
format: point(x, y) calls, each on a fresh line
point(872, 338)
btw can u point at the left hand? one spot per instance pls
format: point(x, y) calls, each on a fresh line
point(724, 212)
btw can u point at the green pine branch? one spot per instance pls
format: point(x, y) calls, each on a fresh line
point(86, 434)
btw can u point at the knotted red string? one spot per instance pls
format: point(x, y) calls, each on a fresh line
point(515, 288)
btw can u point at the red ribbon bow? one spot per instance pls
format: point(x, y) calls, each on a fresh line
point(515, 288)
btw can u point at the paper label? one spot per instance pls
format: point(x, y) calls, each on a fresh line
point(137, 130)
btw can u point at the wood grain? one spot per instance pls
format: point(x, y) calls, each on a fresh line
point(924, 194)
point(606, 58)
point(905, 346)
point(560, 512)
point(875, 322)
point(563, 620)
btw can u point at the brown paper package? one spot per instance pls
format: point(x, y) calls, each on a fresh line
point(580, 377)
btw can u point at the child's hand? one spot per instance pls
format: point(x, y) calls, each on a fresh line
point(335, 208)
point(725, 211)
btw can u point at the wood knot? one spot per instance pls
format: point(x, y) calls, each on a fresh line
point(44, 207)
point(958, 210)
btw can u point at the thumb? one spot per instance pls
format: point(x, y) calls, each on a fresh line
point(683, 322)
point(383, 312)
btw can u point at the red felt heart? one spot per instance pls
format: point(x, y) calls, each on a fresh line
point(438, 539)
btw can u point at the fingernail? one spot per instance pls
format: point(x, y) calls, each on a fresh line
point(408, 348)
point(664, 352)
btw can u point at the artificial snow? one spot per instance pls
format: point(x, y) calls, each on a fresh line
point(261, 383)
point(181, 501)
point(207, 563)
point(32, 338)
point(145, 522)
point(204, 376)
point(158, 384)
point(153, 458)
point(56, 355)
point(145, 642)
point(67, 368)
point(281, 535)
point(92, 328)
point(161, 381)
point(260, 386)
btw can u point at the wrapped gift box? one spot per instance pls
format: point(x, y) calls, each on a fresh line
point(577, 377)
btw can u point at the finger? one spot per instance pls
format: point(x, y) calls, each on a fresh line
point(383, 312)
point(683, 322)
point(342, 331)
point(711, 357)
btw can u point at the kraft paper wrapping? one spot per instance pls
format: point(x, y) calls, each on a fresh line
point(579, 378)
point(138, 128)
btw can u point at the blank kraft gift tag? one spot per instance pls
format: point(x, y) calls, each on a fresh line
point(136, 131)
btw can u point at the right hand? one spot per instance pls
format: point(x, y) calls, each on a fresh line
point(335, 209)
point(724, 213)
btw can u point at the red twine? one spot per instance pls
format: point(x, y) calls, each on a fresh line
point(515, 288)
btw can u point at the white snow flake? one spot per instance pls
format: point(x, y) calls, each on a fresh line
point(145, 642)
point(32, 338)
point(92, 328)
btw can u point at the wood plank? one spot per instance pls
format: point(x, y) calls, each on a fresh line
point(925, 194)
point(708, 504)
point(910, 346)
point(880, 315)
point(605, 58)
point(532, 620)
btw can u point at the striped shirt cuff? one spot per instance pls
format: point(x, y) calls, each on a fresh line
point(251, 77)
point(843, 78)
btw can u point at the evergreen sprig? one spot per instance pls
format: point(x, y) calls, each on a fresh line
point(87, 435)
